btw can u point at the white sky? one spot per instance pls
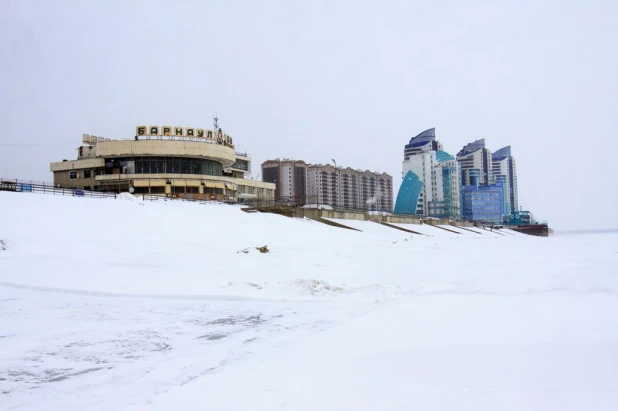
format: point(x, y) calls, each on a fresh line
point(315, 80)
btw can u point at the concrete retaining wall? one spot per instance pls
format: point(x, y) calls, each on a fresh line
point(463, 224)
point(401, 220)
point(315, 214)
point(319, 214)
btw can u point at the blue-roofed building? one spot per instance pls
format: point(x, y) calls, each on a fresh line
point(502, 153)
point(425, 141)
point(474, 156)
point(472, 147)
point(438, 171)
point(409, 193)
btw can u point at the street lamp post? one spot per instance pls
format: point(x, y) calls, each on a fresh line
point(337, 177)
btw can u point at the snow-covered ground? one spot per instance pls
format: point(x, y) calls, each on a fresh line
point(124, 304)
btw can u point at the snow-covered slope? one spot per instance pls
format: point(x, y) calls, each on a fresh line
point(113, 304)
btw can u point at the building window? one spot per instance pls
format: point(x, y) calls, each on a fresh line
point(86, 173)
point(72, 175)
point(167, 165)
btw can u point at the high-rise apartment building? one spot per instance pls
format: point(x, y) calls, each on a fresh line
point(349, 188)
point(475, 185)
point(504, 169)
point(425, 141)
point(422, 165)
point(289, 177)
point(475, 156)
point(302, 183)
point(450, 204)
point(434, 180)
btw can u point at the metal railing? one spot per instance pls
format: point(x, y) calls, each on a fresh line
point(29, 186)
point(17, 181)
point(26, 186)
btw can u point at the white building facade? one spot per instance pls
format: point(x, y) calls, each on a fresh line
point(503, 164)
point(438, 171)
point(475, 156)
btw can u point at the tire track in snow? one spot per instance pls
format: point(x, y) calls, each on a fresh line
point(191, 297)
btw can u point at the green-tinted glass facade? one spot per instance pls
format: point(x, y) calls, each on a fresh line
point(408, 195)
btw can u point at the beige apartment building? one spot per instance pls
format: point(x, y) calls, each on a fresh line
point(184, 164)
point(305, 184)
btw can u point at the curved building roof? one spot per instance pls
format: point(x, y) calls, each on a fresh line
point(501, 154)
point(408, 195)
point(431, 132)
point(423, 138)
point(472, 147)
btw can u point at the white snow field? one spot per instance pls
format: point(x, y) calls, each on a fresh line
point(123, 304)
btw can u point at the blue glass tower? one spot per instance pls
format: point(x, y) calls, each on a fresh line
point(505, 195)
point(475, 177)
point(484, 203)
point(450, 184)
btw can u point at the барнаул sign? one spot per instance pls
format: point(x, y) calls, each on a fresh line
point(142, 131)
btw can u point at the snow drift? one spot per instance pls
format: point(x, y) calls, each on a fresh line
point(112, 304)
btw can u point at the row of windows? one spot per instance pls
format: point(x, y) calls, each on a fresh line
point(254, 190)
point(163, 165)
point(476, 211)
point(241, 165)
point(479, 196)
point(74, 175)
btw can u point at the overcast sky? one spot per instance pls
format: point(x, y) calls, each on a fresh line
point(317, 80)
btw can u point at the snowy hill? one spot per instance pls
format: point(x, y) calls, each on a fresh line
point(117, 304)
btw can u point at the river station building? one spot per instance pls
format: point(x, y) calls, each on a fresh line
point(165, 161)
